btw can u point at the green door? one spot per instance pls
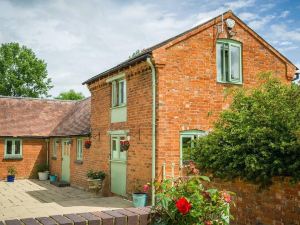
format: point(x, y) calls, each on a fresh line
point(65, 163)
point(118, 166)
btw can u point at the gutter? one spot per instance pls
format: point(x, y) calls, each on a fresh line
point(153, 73)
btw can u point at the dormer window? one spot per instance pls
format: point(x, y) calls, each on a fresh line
point(229, 62)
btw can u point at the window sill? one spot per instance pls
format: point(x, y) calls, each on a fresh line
point(13, 157)
point(233, 83)
point(79, 162)
point(119, 106)
point(54, 158)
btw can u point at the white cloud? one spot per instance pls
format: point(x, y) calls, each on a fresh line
point(79, 39)
point(284, 14)
point(259, 23)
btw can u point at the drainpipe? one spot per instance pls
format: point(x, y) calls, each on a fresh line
point(153, 73)
point(47, 149)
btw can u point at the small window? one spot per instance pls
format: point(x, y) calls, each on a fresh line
point(79, 149)
point(187, 141)
point(13, 148)
point(229, 62)
point(55, 146)
point(119, 93)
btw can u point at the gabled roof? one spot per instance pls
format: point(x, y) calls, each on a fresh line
point(31, 117)
point(148, 52)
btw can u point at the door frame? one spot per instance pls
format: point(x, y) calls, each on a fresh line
point(63, 141)
point(119, 160)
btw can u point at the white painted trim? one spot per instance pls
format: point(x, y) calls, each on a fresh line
point(117, 77)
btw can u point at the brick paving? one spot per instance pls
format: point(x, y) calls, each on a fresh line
point(33, 198)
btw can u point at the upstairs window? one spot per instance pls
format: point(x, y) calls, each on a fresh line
point(118, 93)
point(229, 62)
point(13, 148)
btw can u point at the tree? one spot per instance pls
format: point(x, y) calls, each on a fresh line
point(22, 73)
point(70, 95)
point(257, 138)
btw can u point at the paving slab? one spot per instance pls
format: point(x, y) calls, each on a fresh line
point(32, 198)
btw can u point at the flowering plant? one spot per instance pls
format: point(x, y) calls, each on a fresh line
point(87, 144)
point(186, 201)
point(141, 189)
point(124, 145)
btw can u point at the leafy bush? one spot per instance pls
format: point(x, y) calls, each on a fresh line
point(96, 175)
point(42, 167)
point(257, 137)
point(11, 170)
point(188, 202)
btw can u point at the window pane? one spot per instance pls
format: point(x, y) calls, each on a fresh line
point(115, 152)
point(186, 148)
point(219, 61)
point(17, 147)
point(226, 62)
point(235, 63)
point(8, 147)
point(114, 93)
point(79, 149)
point(121, 92)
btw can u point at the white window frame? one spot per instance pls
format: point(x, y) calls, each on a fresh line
point(193, 134)
point(13, 155)
point(79, 151)
point(220, 77)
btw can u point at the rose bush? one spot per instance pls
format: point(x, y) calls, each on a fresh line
point(186, 201)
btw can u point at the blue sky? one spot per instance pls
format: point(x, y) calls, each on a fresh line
point(79, 39)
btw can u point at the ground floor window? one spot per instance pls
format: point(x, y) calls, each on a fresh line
point(79, 149)
point(187, 141)
point(55, 146)
point(13, 148)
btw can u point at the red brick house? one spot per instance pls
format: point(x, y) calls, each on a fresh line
point(30, 128)
point(168, 95)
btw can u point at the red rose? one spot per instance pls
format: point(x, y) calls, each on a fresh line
point(183, 206)
point(227, 197)
point(208, 222)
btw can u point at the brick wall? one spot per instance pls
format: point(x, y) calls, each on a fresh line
point(139, 109)
point(127, 216)
point(189, 95)
point(78, 169)
point(280, 204)
point(33, 151)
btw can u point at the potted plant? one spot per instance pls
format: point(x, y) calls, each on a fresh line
point(87, 144)
point(95, 179)
point(53, 177)
point(11, 173)
point(140, 196)
point(43, 171)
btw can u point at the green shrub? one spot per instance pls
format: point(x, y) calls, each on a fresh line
point(96, 175)
point(257, 138)
point(11, 170)
point(42, 167)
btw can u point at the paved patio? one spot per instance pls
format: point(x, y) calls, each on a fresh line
point(33, 198)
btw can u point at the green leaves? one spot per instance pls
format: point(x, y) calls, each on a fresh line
point(70, 95)
point(206, 205)
point(258, 137)
point(22, 73)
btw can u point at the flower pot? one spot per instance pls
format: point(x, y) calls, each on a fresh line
point(139, 199)
point(10, 178)
point(53, 178)
point(43, 175)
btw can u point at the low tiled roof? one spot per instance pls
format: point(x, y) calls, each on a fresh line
point(30, 117)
